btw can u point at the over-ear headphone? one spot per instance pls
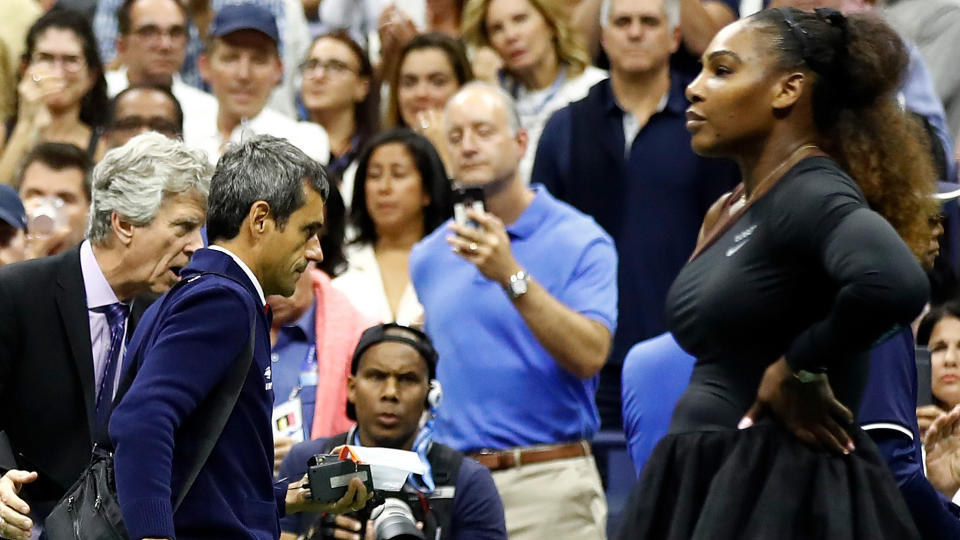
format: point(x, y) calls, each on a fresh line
point(434, 395)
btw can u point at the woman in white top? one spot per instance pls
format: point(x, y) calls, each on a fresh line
point(401, 195)
point(545, 63)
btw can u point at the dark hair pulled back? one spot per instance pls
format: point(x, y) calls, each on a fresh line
point(858, 63)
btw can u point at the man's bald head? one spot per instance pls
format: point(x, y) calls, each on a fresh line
point(477, 90)
point(484, 135)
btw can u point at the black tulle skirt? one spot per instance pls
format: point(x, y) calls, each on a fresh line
point(764, 483)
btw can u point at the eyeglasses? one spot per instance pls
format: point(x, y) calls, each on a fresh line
point(333, 67)
point(134, 123)
point(152, 32)
point(69, 62)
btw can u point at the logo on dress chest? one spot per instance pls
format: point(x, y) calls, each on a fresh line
point(740, 239)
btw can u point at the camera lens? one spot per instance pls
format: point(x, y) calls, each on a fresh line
point(394, 521)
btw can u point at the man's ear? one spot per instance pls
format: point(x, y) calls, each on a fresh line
point(676, 38)
point(352, 389)
point(121, 45)
point(122, 229)
point(789, 89)
point(260, 219)
point(279, 74)
point(522, 139)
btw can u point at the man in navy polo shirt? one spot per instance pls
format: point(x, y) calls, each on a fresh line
point(521, 306)
point(622, 155)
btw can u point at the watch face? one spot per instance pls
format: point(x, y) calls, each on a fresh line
point(518, 286)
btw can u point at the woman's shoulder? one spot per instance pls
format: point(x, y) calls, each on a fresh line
point(817, 181)
point(584, 81)
point(814, 195)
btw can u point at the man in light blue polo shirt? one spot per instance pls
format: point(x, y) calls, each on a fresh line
point(521, 308)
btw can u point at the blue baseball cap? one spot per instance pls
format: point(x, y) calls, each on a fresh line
point(11, 209)
point(234, 17)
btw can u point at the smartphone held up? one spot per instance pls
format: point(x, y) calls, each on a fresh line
point(465, 198)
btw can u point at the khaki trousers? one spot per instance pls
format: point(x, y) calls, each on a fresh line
point(556, 500)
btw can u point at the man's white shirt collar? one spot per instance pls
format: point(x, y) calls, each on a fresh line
point(246, 270)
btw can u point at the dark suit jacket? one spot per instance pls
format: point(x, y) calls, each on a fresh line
point(46, 370)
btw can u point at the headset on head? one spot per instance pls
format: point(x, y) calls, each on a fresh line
point(434, 395)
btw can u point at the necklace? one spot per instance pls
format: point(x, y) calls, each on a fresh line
point(772, 174)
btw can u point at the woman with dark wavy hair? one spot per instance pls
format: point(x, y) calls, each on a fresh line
point(61, 96)
point(798, 272)
point(401, 195)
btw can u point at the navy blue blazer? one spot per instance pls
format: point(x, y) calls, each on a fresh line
point(187, 343)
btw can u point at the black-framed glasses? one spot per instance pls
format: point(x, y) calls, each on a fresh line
point(332, 66)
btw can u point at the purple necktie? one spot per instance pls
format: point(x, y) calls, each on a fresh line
point(116, 317)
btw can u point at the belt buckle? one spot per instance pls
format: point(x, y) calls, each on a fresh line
point(517, 456)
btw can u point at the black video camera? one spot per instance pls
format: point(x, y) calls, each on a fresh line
point(329, 477)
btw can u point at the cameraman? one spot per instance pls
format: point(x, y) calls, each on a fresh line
point(390, 391)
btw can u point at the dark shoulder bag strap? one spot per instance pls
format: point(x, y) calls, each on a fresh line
point(208, 422)
point(445, 463)
point(211, 420)
point(333, 442)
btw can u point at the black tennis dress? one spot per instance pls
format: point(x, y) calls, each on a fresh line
point(809, 272)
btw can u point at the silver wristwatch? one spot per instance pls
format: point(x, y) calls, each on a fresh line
point(519, 283)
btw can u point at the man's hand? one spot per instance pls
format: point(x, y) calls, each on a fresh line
point(807, 409)
point(281, 447)
point(487, 247)
point(14, 523)
point(926, 415)
point(345, 528)
point(298, 499)
point(942, 443)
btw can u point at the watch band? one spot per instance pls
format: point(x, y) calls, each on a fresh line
point(805, 376)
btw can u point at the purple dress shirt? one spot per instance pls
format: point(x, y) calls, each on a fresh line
point(99, 293)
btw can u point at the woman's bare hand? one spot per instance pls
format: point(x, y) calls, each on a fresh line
point(808, 409)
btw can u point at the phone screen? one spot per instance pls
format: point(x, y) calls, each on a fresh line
point(465, 198)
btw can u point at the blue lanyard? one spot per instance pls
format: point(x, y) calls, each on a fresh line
point(308, 368)
point(307, 378)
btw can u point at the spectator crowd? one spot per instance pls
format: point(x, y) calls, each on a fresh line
point(129, 127)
